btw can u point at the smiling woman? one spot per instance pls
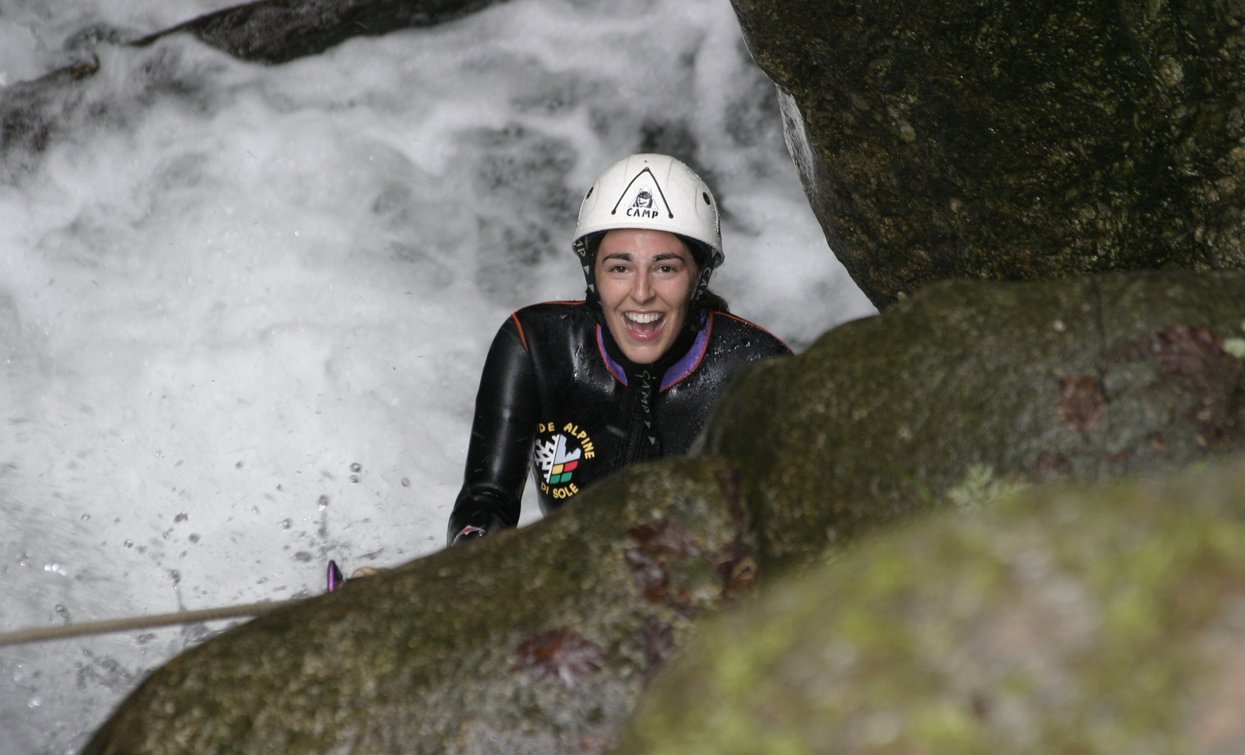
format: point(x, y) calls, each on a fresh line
point(645, 280)
point(580, 389)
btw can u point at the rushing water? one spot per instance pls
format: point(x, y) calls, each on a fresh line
point(243, 308)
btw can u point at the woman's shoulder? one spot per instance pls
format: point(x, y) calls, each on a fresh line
point(567, 308)
point(557, 314)
point(735, 328)
point(550, 322)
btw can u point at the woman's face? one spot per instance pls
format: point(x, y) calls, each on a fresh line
point(645, 280)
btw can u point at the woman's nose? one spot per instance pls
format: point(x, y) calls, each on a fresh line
point(643, 289)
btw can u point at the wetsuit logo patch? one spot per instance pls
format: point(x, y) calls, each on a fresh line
point(558, 454)
point(556, 461)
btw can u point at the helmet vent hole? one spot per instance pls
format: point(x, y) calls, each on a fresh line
point(705, 196)
point(590, 190)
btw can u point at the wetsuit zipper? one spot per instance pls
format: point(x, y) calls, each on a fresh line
point(641, 439)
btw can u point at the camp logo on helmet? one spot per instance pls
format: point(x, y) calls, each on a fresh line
point(559, 453)
point(642, 207)
point(642, 198)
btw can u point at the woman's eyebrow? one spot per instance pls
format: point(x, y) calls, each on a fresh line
point(659, 257)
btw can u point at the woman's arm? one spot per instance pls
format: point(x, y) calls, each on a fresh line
point(501, 439)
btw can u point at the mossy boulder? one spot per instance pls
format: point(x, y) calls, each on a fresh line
point(533, 641)
point(992, 139)
point(984, 385)
point(542, 640)
point(1089, 620)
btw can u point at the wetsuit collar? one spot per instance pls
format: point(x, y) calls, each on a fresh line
point(679, 361)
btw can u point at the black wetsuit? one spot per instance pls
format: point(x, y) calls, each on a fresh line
point(557, 392)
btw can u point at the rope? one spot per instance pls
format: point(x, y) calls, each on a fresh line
point(110, 626)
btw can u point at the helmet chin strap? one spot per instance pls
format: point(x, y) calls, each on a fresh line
point(702, 285)
point(586, 258)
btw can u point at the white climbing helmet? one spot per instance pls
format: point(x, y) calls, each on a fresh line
point(651, 191)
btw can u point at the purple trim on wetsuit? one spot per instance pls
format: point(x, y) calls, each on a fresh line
point(615, 368)
point(691, 360)
point(678, 371)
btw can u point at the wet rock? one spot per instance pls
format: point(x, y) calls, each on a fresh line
point(1011, 383)
point(277, 31)
point(1009, 140)
point(26, 121)
point(542, 640)
point(33, 113)
point(533, 641)
point(1091, 620)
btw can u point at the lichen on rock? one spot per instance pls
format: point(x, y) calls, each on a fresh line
point(1066, 619)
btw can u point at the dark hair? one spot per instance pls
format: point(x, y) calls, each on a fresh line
point(710, 301)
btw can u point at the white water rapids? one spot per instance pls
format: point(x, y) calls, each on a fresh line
point(243, 308)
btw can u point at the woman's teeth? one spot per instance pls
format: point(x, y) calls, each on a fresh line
point(643, 318)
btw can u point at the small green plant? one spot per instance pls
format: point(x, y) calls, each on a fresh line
point(980, 487)
point(1235, 347)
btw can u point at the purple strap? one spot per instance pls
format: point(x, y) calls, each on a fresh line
point(334, 576)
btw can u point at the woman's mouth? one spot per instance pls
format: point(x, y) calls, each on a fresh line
point(643, 325)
